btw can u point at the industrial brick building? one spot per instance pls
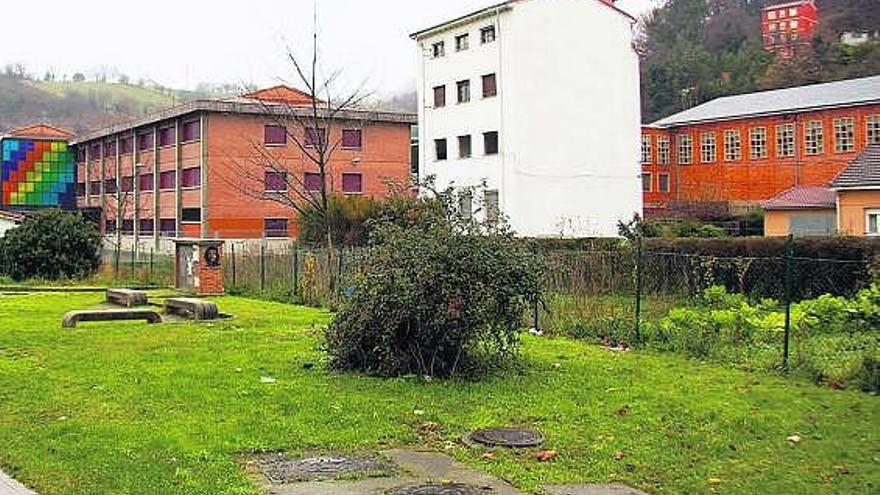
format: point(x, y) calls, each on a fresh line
point(177, 173)
point(789, 27)
point(741, 150)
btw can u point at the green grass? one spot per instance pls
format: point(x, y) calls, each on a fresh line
point(137, 409)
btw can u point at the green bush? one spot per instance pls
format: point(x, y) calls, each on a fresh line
point(348, 216)
point(439, 295)
point(51, 245)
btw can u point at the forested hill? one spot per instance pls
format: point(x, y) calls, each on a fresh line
point(696, 50)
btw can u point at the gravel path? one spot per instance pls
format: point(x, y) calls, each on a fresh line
point(9, 486)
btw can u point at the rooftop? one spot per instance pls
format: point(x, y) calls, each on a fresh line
point(802, 197)
point(40, 131)
point(278, 100)
point(839, 94)
point(787, 4)
point(863, 172)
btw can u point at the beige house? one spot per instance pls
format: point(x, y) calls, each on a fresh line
point(850, 205)
point(858, 195)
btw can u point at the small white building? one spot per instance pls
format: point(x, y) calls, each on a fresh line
point(8, 221)
point(539, 99)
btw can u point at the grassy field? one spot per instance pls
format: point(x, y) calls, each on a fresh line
point(132, 409)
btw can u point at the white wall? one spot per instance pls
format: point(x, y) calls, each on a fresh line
point(6, 224)
point(567, 113)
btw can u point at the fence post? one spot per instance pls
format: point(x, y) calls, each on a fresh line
point(296, 268)
point(262, 266)
point(150, 280)
point(639, 268)
point(232, 245)
point(789, 261)
point(133, 264)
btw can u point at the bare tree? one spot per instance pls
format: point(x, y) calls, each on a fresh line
point(120, 204)
point(309, 125)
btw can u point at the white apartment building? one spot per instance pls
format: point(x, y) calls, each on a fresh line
point(539, 99)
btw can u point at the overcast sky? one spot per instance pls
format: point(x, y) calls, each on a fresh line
point(180, 43)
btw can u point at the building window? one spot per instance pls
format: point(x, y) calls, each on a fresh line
point(492, 205)
point(464, 91)
point(95, 187)
point(191, 177)
point(466, 206)
point(844, 135)
point(352, 183)
point(464, 146)
point(167, 180)
point(109, 226)
point(646, 149)
point(275, 181)
point(146, 182)
point(663, 150)
point(487, 35)
point(440, 149)
point(793, 24)
point(168, 227)
point(312, 181)
point(315, 136)
point(814, 138)
point(663, 182)
point(440, 97)
point(80, 154)
point(771, 15)
point(192, 131)
point(758, 142)
point(80, 189)
point(110, 186)
point(490, 86)
point(647, 181)
point(191, 215)
point(166, 136)
point(352, 139)
point(439, 49)
point(146, 225)
point(127, 184)
point(110, 148)
point(274, 135)
point(95, 151)
point(708, 147)
point(126, 145)
point(732, 145)
point(785, 140)
point(128, 226)
point(873, 129)
point(462, 42)
point(685, 149)
point(275, 228)
point(792, 12)
point(490, 143)
point(872, 222)
point(145, 141)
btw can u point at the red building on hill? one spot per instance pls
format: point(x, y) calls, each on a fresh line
point(789, 27)
point(740, 150)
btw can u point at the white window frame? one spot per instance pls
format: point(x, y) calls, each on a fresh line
point(868, 214)
point(663, 151)
point(872, 129)
point(650, 178)
point(438, 49)
point(483, 34)
point(785, 140)
point(844, 135)
point(660, 182)
point(758, 143)
point(647, 151)
point(689, 148)
point(732, 145)
point(708, 147)
point(771, 15)
point(462, 42)
point(814, 138)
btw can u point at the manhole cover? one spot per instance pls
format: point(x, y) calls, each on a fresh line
point(508, 437)
point(280, 469)
point(442, 489)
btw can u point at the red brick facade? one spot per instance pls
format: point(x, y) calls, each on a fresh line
point(747, 179)
point(789, 26)
point(194, 173)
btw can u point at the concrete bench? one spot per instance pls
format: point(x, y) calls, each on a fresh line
point(127, 297)
point(71, 319)
point(192, 308)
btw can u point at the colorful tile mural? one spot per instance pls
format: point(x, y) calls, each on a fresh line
point(37, 173)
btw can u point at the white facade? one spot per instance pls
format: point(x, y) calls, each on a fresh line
point(567, 114)
point(7, 223)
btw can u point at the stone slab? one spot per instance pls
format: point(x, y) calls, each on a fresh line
point(612, 489)
point(9, 486)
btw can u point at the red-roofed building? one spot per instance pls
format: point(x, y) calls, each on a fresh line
point(802, 211)
point(40, 131)
point(789, 27)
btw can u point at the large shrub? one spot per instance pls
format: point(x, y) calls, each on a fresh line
point(51, 244)
point(439, 295)
point(347, 217)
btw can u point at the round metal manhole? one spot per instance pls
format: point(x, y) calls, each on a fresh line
point(279, 469)
point(441, 489)
point(508, 437)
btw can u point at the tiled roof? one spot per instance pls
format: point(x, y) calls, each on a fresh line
point(812, 97)
point(862, 172)
point(802, 197)
point(40, 131)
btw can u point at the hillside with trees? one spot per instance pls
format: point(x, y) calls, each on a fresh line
point(695, 50)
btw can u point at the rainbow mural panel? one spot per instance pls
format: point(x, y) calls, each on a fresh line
point(37, 173)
